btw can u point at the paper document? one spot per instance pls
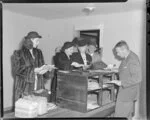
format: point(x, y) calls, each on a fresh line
point(63, 71)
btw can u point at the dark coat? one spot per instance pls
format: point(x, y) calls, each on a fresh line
point(62, 62)
point(23, 71)
point(76, 57)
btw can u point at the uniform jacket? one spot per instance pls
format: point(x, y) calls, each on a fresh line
point(130, 76)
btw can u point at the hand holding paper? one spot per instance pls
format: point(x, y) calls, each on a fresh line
point(50, 67)
point(44, 68)
point(117, 82)
point(75, 64)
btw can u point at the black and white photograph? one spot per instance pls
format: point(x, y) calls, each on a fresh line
point(75, 60)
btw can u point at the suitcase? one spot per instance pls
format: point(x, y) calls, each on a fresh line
point(42, 104)
point(25, 108)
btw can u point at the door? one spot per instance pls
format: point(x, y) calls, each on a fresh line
point(92, 35)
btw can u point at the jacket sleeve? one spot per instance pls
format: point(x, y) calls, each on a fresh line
point(134, 76)
point(64, 63)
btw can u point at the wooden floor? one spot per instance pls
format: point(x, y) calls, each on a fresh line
point(103, 111)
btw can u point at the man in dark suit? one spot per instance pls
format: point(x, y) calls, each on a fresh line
point(129, 80)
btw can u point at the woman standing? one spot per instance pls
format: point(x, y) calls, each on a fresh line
point(62, 62)
point(29, 67)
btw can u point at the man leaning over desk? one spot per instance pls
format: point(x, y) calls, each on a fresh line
point(129, 80)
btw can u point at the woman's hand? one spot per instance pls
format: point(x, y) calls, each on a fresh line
point(75, 64)
point(43, 69)
point(51, 67)
point(37, 70)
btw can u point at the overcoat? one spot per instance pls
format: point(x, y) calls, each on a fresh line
point(23, 65)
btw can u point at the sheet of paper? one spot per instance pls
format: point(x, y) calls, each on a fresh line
point(63, 71)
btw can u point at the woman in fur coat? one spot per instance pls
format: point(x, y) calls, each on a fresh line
point(29, 67)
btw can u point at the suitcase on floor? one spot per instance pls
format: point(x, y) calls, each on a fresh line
point(26, 108)
point(42, 104)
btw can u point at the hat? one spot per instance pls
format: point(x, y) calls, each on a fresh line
point(67, 45)
point(75, 40)
point(82, 42)
point(33, 34)
point(92, 43)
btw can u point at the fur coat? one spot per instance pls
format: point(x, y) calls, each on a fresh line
point(23, 66)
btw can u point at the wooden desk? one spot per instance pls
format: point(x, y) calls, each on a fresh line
point(72, 89)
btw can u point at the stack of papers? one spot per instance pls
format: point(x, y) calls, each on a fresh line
point(63, 71)
point(93, 85)
point(112, 69)
point(92, 105)
point(105, 86)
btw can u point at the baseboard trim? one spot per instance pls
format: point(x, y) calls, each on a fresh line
point(8, 110)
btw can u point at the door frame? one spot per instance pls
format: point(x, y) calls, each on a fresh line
point(85, 27)
point(93, 36)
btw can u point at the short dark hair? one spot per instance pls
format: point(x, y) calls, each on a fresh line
point(122, 43)
point(27, 43)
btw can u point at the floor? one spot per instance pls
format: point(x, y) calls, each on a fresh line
point(66, 113)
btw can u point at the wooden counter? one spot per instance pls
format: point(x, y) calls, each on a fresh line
point(72, 89)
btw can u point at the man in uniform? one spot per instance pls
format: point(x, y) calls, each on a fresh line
point(129, 80)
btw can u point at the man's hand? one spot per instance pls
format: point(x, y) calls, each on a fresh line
point(117, 82)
